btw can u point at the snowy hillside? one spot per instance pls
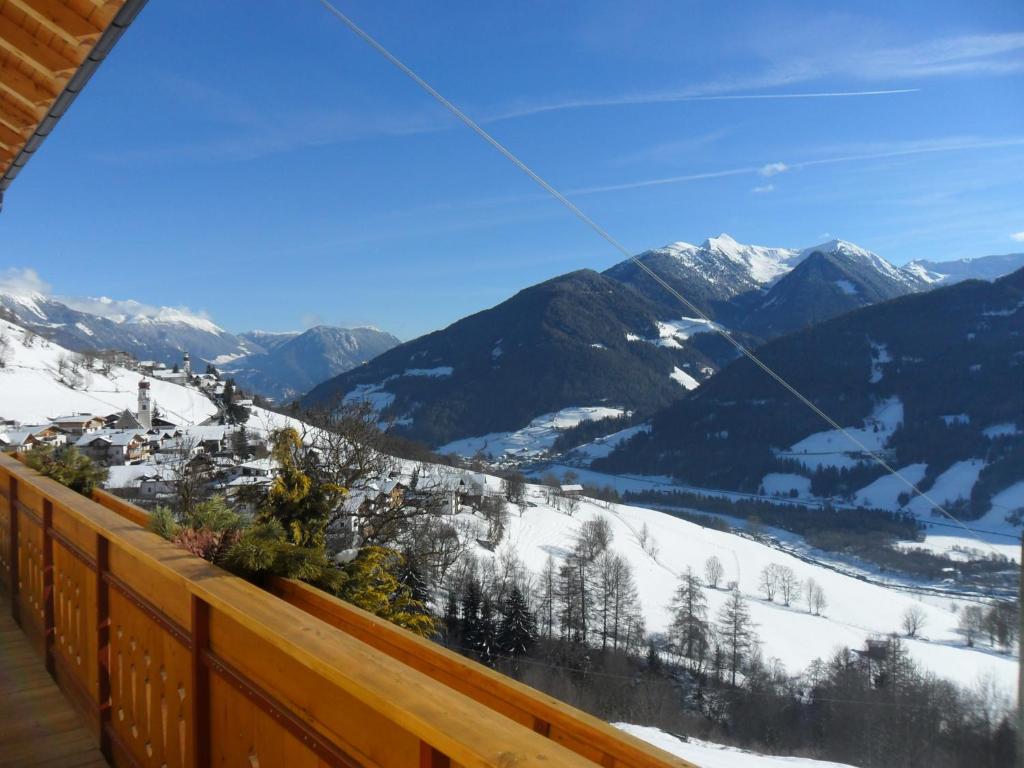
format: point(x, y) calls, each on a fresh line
point(31, 390)
point(857, 610)
point(532, 440)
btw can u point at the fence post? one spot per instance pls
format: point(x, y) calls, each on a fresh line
point(103, 644)
point(200, 614)
point(49, 629)
point(12, 556)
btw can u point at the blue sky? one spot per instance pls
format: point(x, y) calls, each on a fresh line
point(256, 161)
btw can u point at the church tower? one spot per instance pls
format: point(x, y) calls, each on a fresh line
point(187, 367)
point(145, 415)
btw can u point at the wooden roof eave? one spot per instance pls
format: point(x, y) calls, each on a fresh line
point(76, 82)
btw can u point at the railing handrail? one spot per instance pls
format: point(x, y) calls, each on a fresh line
point(576, 729)
point(447, 720)
point(390, 670)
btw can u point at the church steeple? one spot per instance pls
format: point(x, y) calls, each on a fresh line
point(145, 415)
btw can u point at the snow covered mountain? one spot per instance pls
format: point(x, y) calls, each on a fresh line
point(149, 333)
point(275, 365)
point(828, 280)
point(709, 274)
point(295, 363)
point(979, 268)
point(770, 291)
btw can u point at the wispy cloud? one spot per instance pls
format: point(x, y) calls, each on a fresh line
point(16, 281)
point(763, 190)
point(880, 152)
point(703, 92)
point(771, 169)
point(995, 54)
point(1018, 236)
point(674, 151)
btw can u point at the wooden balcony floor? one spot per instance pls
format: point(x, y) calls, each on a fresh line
point(38, 726)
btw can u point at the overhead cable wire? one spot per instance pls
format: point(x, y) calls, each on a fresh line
point(605, 235)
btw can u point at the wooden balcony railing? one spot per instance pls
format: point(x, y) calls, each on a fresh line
point(175, 662)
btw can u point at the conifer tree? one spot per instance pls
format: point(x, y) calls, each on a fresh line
point(689, 629)
point(470, 625)
point(487, 633)
point(517, 631)
point(736, 631)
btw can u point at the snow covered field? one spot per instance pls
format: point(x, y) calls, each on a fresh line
point(709, 755)
point(534, 439)
point(856, 609)
point(31, 391)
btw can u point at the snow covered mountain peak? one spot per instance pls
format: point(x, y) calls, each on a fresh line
point(129, 311)
point(853, 254)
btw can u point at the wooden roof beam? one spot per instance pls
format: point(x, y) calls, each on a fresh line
point(32, 52)
point(24, 90)
point(15, 117)
point(9, 139)
point(56, 17)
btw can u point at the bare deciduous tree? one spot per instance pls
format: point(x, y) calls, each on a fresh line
point(789, 585)
point(815, 595)
point(971, 622)
point(913, 621)
point(770, 580)
point(713, 571)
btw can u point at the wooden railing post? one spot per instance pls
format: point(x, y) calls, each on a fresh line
point(49, 630)
point(12, 506)
point(431, 758)
point(200, 614)
point(103, 644)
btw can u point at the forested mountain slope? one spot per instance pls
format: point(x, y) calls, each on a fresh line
point(581, 339)
point(935, 381)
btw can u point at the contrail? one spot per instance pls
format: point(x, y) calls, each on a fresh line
point(673, 98)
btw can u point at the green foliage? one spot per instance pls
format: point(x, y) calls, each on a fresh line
point(299, 499)
point(68, 467)
point(163, 523)
point(264, 549)
point(371, 582)
point(209, 530)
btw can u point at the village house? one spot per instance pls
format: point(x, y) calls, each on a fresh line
point(157, 485)
point(120, 447)
point(25, 439)
point(79, 424)
point(210, 438)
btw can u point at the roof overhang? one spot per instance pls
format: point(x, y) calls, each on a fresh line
point(48, 51)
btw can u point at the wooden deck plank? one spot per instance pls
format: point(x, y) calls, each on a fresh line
point(38, 726)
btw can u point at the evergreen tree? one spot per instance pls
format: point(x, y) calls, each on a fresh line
point(736, 631)
point(300, 499)
point(240, 442)
point(370, 582)
point(547, 596)
point(411, 575)
point(689, 629)
point(486, 642)
point(517, 631)
point(452, 629)
point(470, 625)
